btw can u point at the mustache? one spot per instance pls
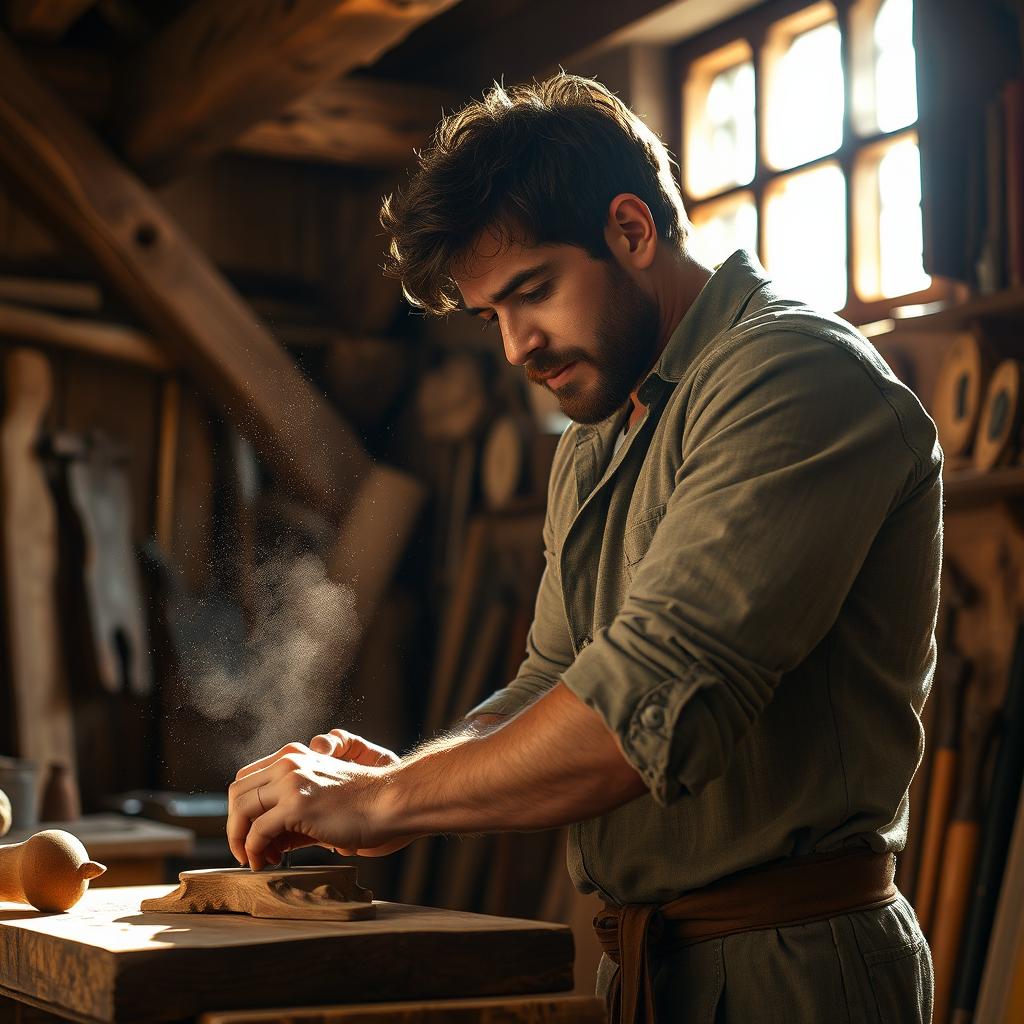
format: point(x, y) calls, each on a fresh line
point(543, 364)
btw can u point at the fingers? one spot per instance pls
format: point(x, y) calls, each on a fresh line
point(265, 838)
point(347, 746)
point(248, 798)
point(334, 743)
point(264, 762)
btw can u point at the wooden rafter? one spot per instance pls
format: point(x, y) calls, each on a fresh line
point(86, 196)
point(356, 121)
point(484, 41)
point(44, 19)
point(222, 67)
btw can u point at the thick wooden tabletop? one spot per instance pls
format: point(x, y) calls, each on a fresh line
point(104, 960)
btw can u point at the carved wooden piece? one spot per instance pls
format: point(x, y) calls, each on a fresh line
point(293, 894)
point(50, 871)
point(90, 199)
point(220, 68)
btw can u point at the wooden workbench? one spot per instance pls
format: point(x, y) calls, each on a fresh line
point(106, 961)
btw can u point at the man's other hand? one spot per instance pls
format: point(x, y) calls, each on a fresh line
point(298, 797)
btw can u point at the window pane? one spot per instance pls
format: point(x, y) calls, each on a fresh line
point(895, 85)
point(900, 246)
point(805, 236)
point(719, 229)
point(720, 152)
point(806, 103)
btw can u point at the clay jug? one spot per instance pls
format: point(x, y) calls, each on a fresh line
point(50, 870)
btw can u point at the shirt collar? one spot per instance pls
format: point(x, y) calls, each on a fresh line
point(718, 307)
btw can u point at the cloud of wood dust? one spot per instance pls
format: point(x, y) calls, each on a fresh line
point(280, 679)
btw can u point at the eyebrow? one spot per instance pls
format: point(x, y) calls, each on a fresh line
point(514, 282)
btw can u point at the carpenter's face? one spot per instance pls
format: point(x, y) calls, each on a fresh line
point(579, 326)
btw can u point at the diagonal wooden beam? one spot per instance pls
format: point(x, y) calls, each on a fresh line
point(86, 196)
point(222, 67)
point(353, 121)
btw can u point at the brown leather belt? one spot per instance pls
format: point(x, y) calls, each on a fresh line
point(788, 892)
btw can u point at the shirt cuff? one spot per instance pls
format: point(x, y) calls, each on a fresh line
point(669, 733)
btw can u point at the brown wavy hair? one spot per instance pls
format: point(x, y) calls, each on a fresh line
point(537, 164)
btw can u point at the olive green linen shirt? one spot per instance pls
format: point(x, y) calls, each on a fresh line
point(746, 591)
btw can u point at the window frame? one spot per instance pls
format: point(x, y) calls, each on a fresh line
point(753, 29)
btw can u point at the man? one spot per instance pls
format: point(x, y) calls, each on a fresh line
point(734, 634)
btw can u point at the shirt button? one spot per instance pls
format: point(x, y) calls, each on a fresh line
point(584, 642)
point(652, 717)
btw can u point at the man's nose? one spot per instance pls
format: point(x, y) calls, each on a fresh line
point(521, 341)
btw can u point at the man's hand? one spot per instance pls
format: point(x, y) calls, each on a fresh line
point(298, 797)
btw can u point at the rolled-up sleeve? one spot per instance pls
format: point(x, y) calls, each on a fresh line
point(548, 646)
point(793, 455)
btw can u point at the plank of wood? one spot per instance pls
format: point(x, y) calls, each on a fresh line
point(96, 204)
point(500, 1010)
point(329, 893)
point(221, 68)
point(374, 534)
point(44, 19)
point(42, 702)
point(1006, 948)
point(80, 296)
point(107, 961)
point(104, 340)
point(361, 122)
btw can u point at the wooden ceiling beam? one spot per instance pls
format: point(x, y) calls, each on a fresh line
point(44, 19)
point(354, 121)
point(485, 41)
point(88, 198)
point(222, 67)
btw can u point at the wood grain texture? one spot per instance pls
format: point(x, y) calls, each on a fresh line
point(519, 1010)
point(86, 196)
point(105, 961)
point(42, 702)
point(221, 68)
point(295, 894)
point(355, 121)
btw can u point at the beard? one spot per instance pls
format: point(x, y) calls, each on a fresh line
point(626, 345)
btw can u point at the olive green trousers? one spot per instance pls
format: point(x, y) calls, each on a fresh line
point(869, 967)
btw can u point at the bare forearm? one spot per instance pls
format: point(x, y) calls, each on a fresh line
point(553, 763)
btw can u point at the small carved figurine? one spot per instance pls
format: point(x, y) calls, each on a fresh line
point(50, 871)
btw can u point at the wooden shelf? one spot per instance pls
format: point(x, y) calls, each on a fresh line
point(964, 488)
point(1004, 305)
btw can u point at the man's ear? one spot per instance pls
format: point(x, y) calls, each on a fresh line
point(630, 232)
